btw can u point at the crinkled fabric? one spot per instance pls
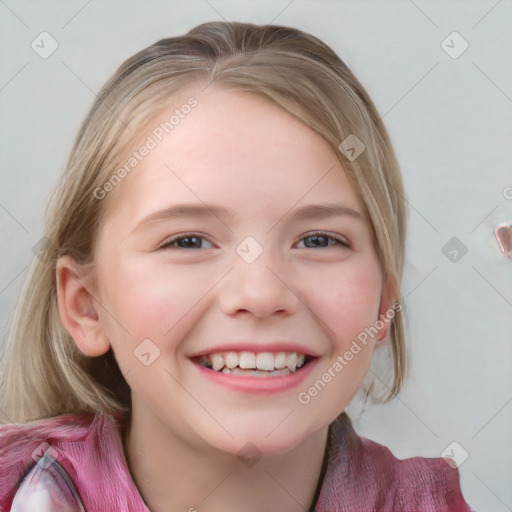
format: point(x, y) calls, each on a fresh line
point(88, 447)
point(76, 463)
point(364, 476)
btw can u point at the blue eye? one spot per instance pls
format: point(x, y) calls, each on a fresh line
point(321, 240)
point(192, 241)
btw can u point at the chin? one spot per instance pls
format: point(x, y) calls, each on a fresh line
point(264, 438)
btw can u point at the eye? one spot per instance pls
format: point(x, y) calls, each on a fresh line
point(320, 239)
point(190, 241)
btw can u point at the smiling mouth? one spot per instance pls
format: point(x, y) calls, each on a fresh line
point(262, 364)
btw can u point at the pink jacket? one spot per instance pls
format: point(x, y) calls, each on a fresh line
point(76, 463)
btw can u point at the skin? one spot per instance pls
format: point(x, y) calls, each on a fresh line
point(237, 150)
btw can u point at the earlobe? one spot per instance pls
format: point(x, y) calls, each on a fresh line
point(78, 308)
point(386, 310)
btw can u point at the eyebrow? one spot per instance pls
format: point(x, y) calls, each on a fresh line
point(306, 212)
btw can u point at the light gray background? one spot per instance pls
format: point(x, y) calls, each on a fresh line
point(450, 122)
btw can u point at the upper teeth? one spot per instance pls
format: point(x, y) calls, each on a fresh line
point(250, 360)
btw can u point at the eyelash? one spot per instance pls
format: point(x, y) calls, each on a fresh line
point(167, 244)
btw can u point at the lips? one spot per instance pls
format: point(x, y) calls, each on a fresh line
point(254, 380)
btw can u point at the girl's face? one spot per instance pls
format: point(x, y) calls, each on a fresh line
point(213, 247)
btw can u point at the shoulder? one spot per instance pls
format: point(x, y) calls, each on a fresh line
point(38, 460)
point(58, 427)
point(363, 473)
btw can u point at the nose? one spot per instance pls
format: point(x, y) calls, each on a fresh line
point(261, 287)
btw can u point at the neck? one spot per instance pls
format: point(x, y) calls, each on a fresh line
point(174, 475)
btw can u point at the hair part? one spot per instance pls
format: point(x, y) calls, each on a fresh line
point(43, 372)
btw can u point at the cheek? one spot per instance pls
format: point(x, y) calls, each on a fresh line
point(346, 305)
point(349, 302)
point(143, 303)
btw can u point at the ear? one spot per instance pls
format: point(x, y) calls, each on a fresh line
point(386, 311)
point(78, 307)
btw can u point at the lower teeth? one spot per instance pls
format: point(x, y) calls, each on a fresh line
point(255, 373)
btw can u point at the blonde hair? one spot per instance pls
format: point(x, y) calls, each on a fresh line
point(43, 372)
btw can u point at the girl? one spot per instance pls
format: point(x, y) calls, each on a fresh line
point(221, 259)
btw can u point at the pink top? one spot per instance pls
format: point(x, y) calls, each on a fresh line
point(76, 463)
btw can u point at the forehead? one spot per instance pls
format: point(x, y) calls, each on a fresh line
point(231, 146)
